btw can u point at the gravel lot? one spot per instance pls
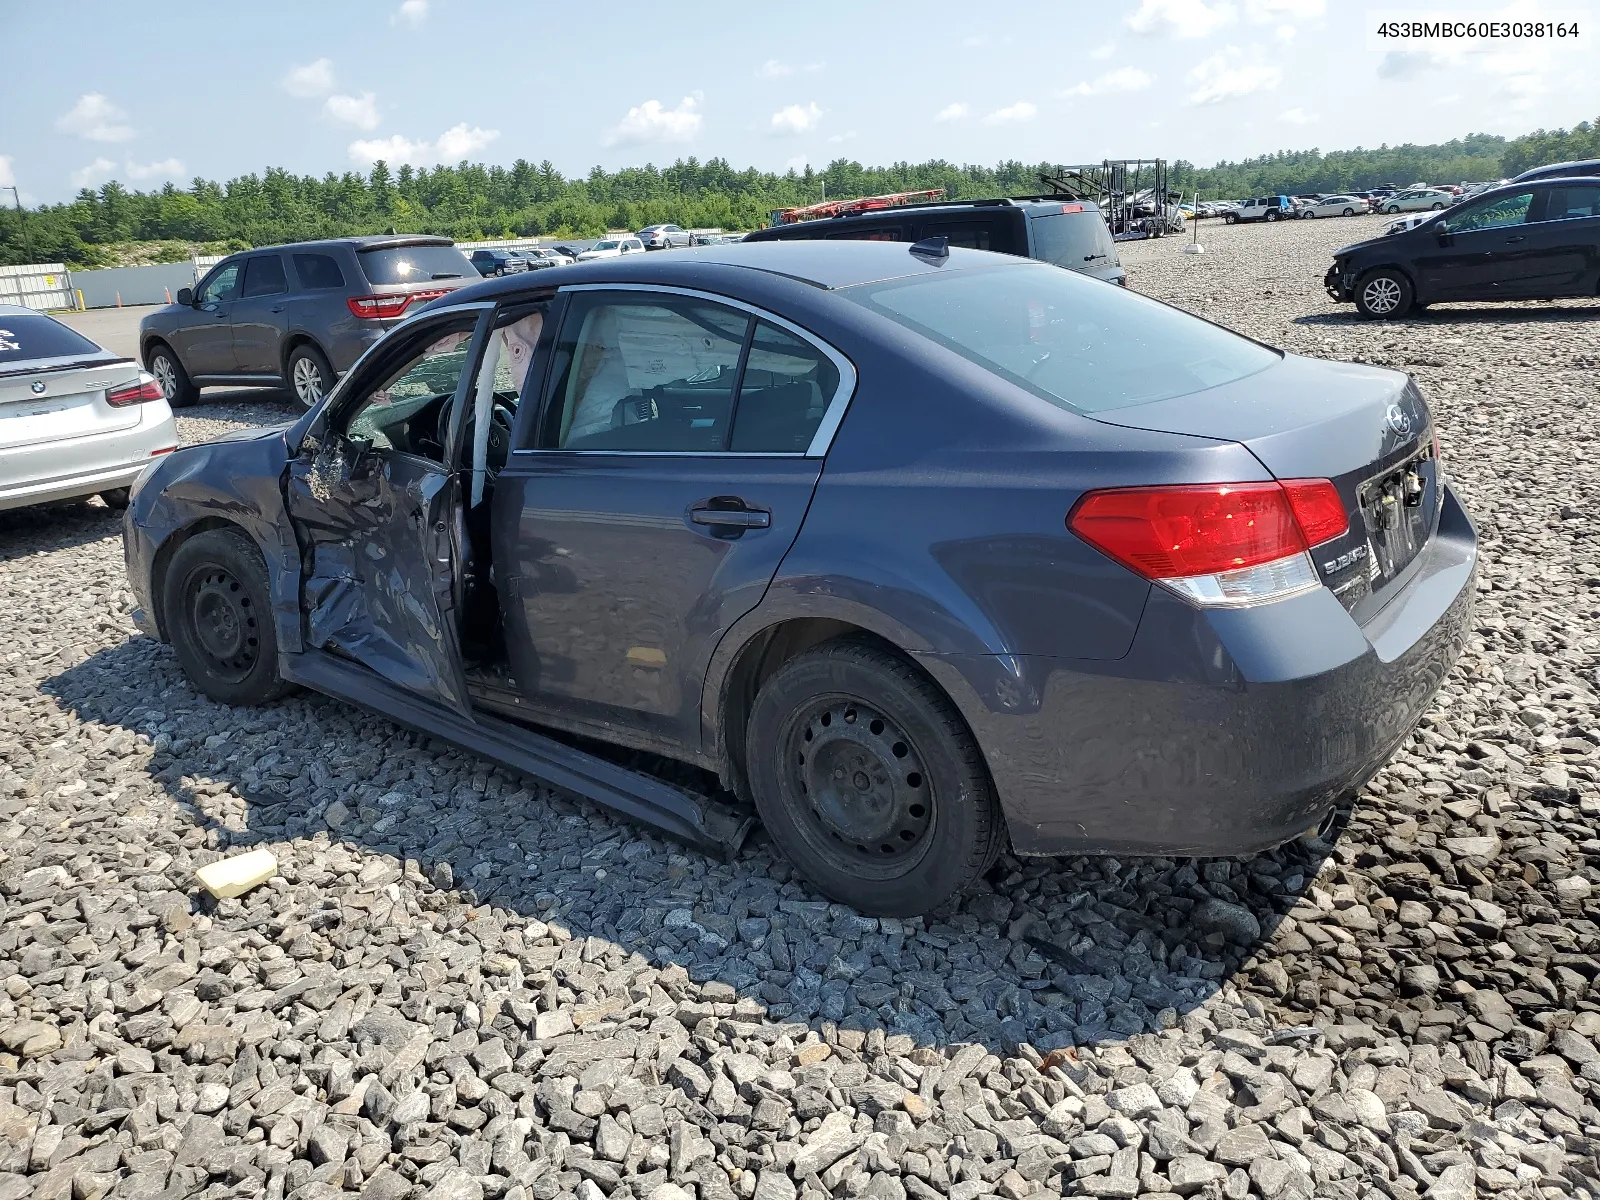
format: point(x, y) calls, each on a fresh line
point(460, 985)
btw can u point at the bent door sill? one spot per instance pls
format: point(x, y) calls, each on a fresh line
point(689, 818)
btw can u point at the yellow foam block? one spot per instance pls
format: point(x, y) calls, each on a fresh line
point(235, 876)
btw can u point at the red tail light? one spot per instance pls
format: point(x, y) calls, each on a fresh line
point(1217, 544)
point(140, 392)
point(1172, 532)
point(1318, 510)
point(372, 308)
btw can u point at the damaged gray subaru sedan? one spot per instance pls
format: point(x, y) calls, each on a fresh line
point(912, 552)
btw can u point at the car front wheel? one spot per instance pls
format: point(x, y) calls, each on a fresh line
point(218, 612)
point(1229, 219)
point(1384, 294)
point(1392, 209)
point(310, 376)
point(171, 378)
point(868, 781)
point(1308, 215)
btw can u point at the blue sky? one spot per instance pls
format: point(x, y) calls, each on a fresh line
point(150, 94)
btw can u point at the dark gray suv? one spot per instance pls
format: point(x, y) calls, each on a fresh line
point(297, 315)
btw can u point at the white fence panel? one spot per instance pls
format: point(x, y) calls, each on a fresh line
point(37, 285)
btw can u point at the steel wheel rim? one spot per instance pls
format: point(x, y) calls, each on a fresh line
point(860, 789)
point(1382, 295)
point(307, 381)
point(166, 377)
point(223, 622)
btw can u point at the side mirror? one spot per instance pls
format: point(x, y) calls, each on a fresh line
point(186, 296)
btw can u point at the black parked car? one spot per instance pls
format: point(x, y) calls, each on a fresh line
point(1583, 168)
point(1529, 241)
point(497, 262)
point(918, 551)
point(297, 315)
point(1071, 234)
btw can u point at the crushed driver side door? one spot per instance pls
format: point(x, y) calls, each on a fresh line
point(373, 505)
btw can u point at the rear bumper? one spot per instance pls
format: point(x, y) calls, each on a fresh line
point(1221, 732)
point(81, 466)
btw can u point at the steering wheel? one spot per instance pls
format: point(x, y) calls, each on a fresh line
point(498, 450)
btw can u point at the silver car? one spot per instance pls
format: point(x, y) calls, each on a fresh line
point(664, 237)
point(75, 419)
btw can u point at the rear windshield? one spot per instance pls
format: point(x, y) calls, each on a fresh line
point(1077, 240)
point(1077, 342)
point(415, 264)
point(23, 338)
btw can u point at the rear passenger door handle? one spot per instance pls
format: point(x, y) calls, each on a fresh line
point(277, 308)
point(731, 518)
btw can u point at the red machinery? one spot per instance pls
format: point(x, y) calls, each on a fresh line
point(837, 208)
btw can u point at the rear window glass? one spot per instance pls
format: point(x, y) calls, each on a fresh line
point(1070, 339)
point(1076, 240)
point(415, 264)
point(318, 271)
point(23, 338)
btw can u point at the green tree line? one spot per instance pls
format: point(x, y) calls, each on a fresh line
point(471, 200)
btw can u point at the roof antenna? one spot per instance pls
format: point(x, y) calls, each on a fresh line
point(934, 249)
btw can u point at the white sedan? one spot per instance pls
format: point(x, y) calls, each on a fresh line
point(75, 419)
point(611, 248)
point(1334, 206)
point(1417, 200)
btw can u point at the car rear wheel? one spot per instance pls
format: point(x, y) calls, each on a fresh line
point(176, 387)
point(310, 376)
point(1436, 207)
point(1384, 294)
point(1349, 212)
point(115, 498)
point(1272, 216)
point(218, 613)
point(869, 782)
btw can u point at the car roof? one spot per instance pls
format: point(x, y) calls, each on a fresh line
point(21, 310)
point(821, 264)
point(1578, 167)
point(373, 242)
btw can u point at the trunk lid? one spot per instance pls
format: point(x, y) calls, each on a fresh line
point(57, 404)
point(1365, 428)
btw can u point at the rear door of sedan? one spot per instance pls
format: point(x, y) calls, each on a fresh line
point(651, 496)
point(1559, 251)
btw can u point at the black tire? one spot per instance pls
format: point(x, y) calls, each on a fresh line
point(1384, 294)
point(1392, 210)
point(1437, 207)
point(1308, 215)
point(1349, 212)
point(218, 613)
point(115, 498)
point(1229, 219)
point(308, 374)
point(915, 821)
point(167, 367)
point(1272, 216)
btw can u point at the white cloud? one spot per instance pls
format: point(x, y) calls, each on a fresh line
point(1298, 116)
point(452, 145)
point(313, 79)
point(796, 119)
point(167, 168)
point(952, 112)
point(96, 118)
point(773, 69)
point(1226, 76)
point(358, 112)
point(1103, 51)
point(1285, 33)
point(1123, 79)
point(100, 170)
point(8, 177)
point(1012, 114)
point(1182, 18)
point(798, 163)
point(412, 12)
point(458, 141)
point(1264, 12)
point(654, 122)
point(841, 137)
point(1401, 65)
